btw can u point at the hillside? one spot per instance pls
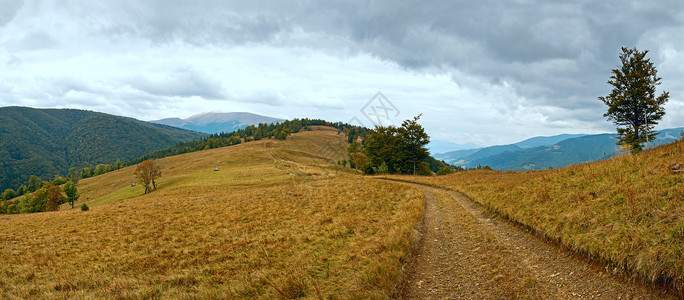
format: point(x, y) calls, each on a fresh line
point(215, 122)
point(45, 142)
point(279, 219)
point(625, 211)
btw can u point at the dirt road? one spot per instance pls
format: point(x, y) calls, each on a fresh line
point(465, 253)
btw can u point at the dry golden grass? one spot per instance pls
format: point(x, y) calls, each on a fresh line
point(627, 211)
point(258, 228)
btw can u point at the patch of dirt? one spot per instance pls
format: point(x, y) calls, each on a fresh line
point(465, 253)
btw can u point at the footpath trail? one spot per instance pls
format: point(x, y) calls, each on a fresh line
point(465, 253)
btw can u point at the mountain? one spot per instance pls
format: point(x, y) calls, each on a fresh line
point(546, 140)
point(45, 142)
point(436, 146)
point(454, 156)
point(463, 157)
point(547, 151)
point(569, 151)
point(215, 122)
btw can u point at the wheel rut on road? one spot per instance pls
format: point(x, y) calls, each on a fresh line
point(466, 253)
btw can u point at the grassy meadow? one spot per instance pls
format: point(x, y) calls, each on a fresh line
point(627, 211)
point(279, 219)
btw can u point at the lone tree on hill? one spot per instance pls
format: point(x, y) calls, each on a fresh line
point(146, 172)
point(633, 105)
point(71, 192)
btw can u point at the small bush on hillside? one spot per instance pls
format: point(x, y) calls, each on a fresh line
point(85, 207)
point(445, 171)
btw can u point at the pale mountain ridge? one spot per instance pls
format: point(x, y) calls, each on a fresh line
point(216, 122)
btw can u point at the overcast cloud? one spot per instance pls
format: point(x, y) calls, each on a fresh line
point(485, 72)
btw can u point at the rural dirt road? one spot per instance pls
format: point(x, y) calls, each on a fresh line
point(465, 253)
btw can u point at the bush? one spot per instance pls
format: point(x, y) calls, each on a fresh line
point(445, 170)
point(85, 207)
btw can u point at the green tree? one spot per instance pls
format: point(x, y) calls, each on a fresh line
point(117, 165)
point(632, 104)
point(413, 141)
point(71, 192)
point(22, 190)
point(59, 180)
point(8, 194)
point(402, 149)
point(87, 172)
point(38, 201)
point(34, 183)
point(445, 170)
point(73, 174)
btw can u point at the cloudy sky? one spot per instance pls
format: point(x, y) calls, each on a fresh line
point(484, 72)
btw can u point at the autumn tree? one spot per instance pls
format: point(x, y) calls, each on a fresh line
point(360, 160)
point(71, 192)
point(54, 198)
point(146, 172)
point(632, 104)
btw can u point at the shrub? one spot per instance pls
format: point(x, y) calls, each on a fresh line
point(445, 170)
point(85, 207)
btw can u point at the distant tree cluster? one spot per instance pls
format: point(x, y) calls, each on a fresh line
point(392, 150)
point(38, 196)
point(96, 170)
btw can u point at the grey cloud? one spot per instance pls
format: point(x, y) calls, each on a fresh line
point(9, 10)
point(35, 40)
point(180, 83)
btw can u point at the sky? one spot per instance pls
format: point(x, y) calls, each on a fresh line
point(480, 72)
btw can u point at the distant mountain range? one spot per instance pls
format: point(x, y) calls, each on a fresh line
point(544, 152)
point(46, 142)
point(215, 122)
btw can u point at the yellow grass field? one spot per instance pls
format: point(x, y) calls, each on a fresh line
point(626, 211)
point(279, 219)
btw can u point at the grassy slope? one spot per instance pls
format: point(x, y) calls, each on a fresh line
point(256, 228)
point(627, 211)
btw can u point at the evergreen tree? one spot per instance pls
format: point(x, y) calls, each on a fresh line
point(632, 104)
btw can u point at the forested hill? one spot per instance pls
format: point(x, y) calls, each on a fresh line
point(45, 142)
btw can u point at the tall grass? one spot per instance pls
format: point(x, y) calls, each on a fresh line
point(250, 230)
point(627, 211)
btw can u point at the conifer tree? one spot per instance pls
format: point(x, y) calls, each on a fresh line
point(632, 104)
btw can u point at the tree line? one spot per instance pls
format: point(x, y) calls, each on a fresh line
point(39, 196)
